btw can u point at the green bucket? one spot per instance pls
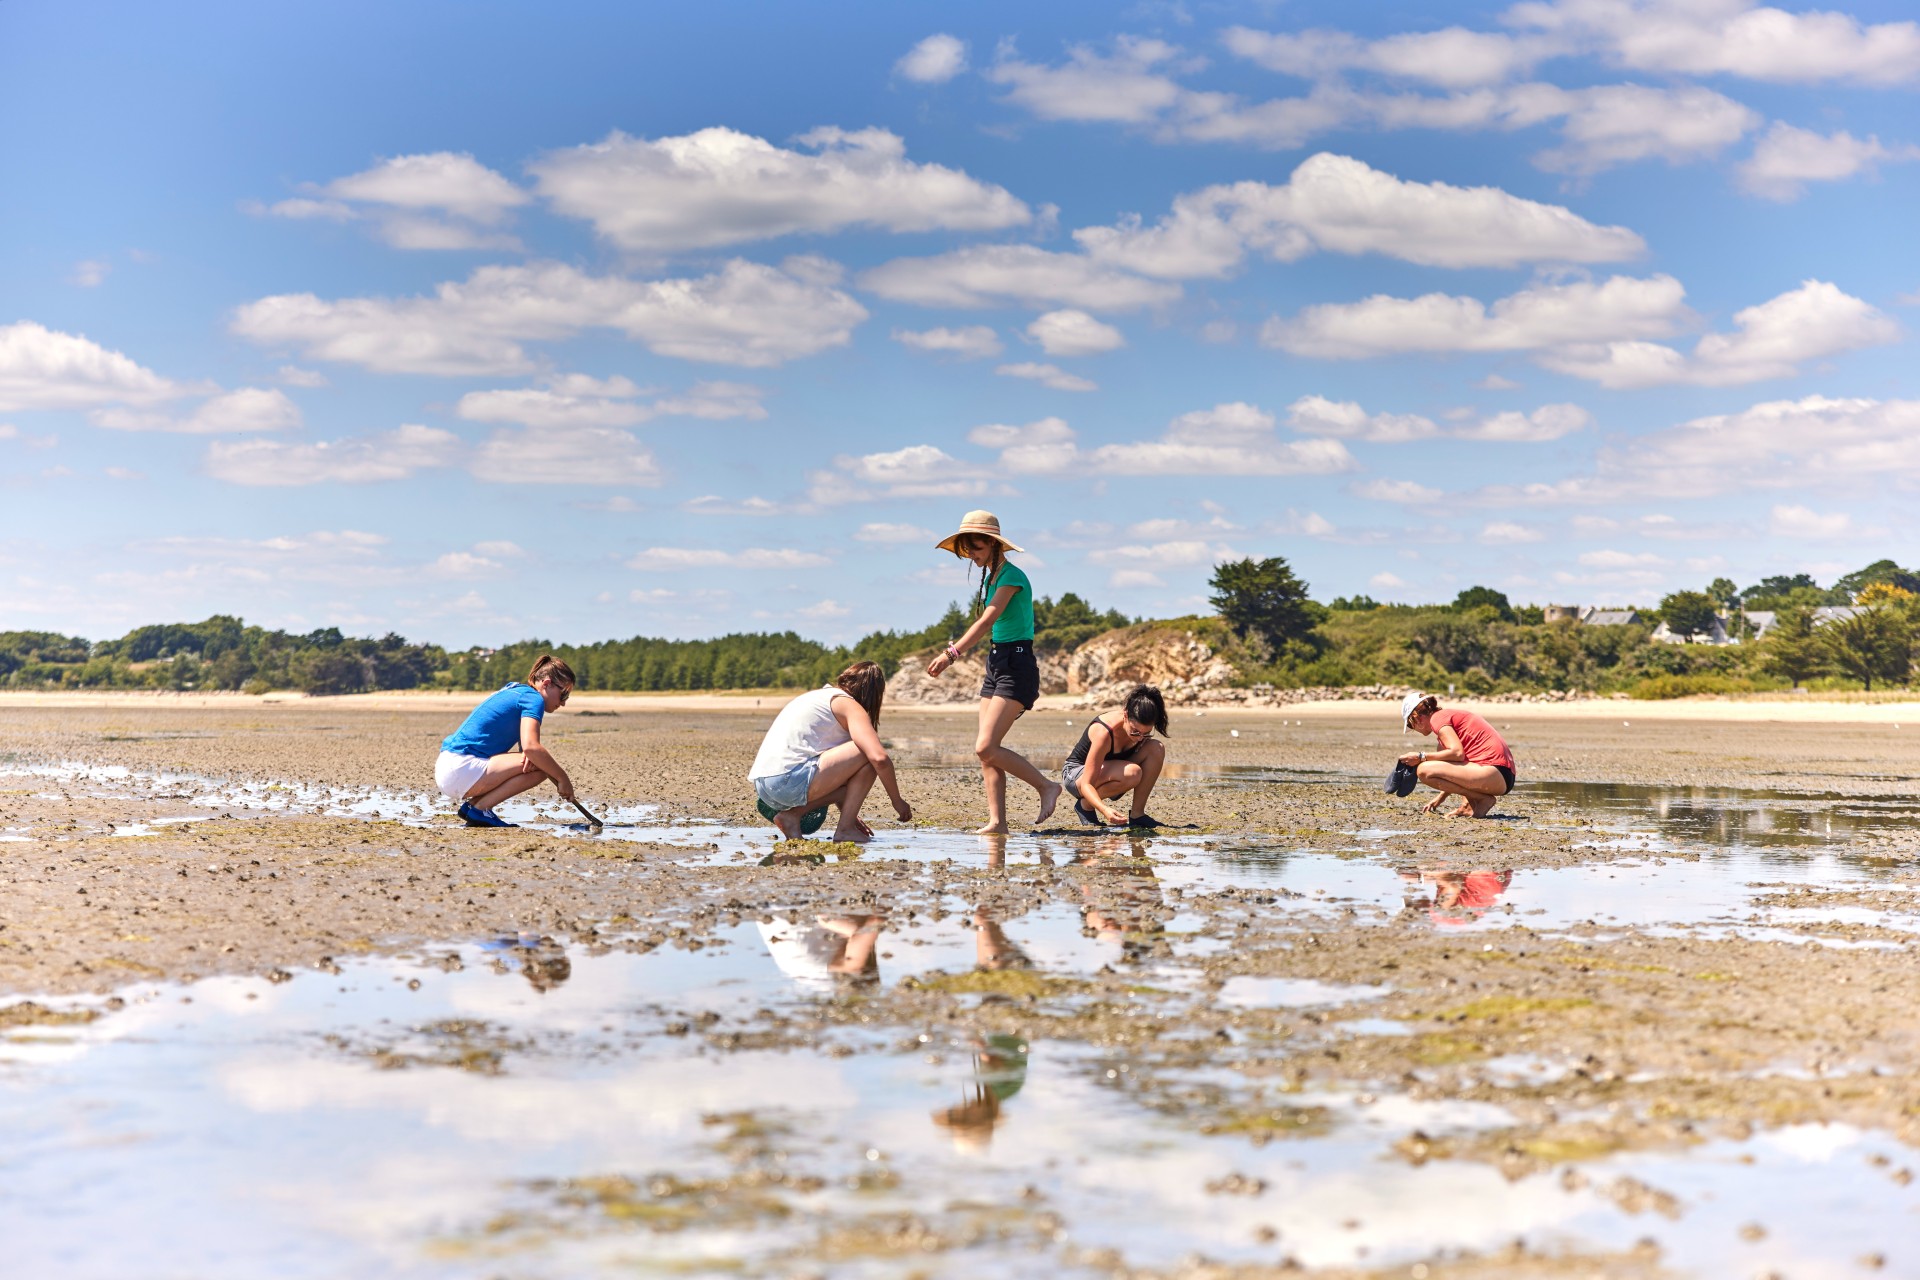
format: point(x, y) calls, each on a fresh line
point(810, 821)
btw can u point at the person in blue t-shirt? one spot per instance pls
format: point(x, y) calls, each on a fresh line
point(496, 753)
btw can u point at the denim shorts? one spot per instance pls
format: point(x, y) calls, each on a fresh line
point(788, 790)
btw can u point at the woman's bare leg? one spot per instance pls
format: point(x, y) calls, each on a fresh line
point(836, 769)
point(996, 762)
point(503, 780)
point(1151, 757)
point(1471, 782)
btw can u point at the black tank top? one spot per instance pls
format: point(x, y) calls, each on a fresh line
point(1079, 753)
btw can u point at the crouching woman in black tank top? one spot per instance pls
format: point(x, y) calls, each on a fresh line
point(1117, 754)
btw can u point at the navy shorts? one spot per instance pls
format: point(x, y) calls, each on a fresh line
point(1012, 672)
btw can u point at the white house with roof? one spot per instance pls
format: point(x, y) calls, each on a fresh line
point(1717, 634)
point(1762, 620)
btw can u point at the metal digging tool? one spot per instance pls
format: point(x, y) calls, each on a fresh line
point(592, 821)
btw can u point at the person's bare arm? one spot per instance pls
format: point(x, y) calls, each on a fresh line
point(1097, 746)
point(981, 626)
point(1450, 751)
point(860, 727)
point(535, 756)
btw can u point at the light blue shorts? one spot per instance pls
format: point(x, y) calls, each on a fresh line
point(787, 790)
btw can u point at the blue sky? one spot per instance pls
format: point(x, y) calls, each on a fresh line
point(481, 322)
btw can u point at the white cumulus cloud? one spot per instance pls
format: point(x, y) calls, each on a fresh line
point(392, 455)
point(1771, 339)
point(1505, 533)
point(916, 471)
point(565, 455)
point(1234, 439)
point(1047, 375)
point(1786, 159)
point(1405, 492)
point(1337, 204)
point(992, 275)
point(1541, 315)
point(229, 413)
point(720, 187)
point(1127, 86)
point(42, 368)
point(743, 313)
point(674, 559)
point(895, 533)
point(969, 342)
point(1453, 57)
point(439, 200)
point(1074, 333)
point(935, 60)
point(576, 400)
point(1791, 520)
point(1729, 37)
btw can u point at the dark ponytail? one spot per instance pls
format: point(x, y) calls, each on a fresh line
point(548, 665)
point(1145, 706)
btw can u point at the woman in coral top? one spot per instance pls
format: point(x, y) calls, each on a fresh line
point(1473, 762)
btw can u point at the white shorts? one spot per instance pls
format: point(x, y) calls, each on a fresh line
point(456, 774)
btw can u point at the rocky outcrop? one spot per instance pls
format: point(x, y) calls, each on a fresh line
point(911, 686)
point(1183, 666)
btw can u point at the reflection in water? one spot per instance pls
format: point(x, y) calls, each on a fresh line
point(827, 954)
point(1731, 817)
point(999, 1070)
point(542, 961)
point(1123, 905)
point(1452, 897)
point(999, 1059)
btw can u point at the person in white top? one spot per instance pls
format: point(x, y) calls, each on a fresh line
point(823, 749)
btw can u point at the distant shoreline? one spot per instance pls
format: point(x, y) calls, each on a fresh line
point(1811, 708)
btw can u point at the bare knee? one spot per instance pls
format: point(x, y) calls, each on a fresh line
point(985, 751)
point(1152, 752)
point(1428, 771)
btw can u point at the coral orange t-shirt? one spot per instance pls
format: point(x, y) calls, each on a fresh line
point(1477, 738)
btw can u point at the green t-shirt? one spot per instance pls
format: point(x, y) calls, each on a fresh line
point(1017, 622)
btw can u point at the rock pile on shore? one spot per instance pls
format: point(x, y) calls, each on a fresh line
point(1184, 667)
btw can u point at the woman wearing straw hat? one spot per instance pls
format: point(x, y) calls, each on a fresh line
point(1005, 601)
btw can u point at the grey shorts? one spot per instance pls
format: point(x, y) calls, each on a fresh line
point(788, 790)
point(1070, 776)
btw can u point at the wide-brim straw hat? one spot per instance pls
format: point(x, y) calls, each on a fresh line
point(984, 523)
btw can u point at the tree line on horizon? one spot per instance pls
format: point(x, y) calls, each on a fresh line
point(1266, 624)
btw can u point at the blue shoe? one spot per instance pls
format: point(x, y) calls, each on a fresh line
point(483, 817)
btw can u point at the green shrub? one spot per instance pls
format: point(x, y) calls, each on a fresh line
point(1658, 688)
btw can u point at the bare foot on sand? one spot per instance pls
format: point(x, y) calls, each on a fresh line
point(1464, 811)
point(788, 820)
point(1049, 797)
point(859, 833)
point(992, 829)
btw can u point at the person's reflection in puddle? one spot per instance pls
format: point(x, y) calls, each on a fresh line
point(828, 953)
point(993, 949)
point(1452, 897)
point(1123, 905)
point(543, 962)
point(999, 1071)
point(999, 1059)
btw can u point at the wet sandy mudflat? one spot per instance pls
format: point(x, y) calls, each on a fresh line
point(266, 1010)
